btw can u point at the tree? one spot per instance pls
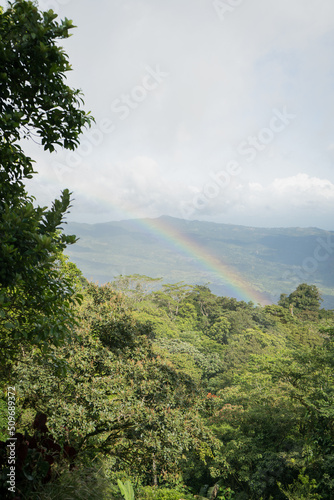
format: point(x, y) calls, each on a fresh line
point(135, 286)
point(171, 297)
point(128, 404)
point(34, 98)
point(308, 380)
point(35, 297)
point(305, 300)
point(258, 427)
point(219, 331)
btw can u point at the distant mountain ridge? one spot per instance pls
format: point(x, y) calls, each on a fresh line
point(271, 260)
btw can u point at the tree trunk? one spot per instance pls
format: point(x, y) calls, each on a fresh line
point(154, 470)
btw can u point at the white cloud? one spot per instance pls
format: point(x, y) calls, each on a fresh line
point(300, 199)
point(303, 188)
point(225, 78)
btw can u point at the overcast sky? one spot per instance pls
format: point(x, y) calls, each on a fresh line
point(209, 110)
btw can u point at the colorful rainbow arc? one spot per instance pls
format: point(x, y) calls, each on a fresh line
point(228, 276)
point(187, 246)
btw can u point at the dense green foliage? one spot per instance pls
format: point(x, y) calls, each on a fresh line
point(183, 389)
point(35, 297)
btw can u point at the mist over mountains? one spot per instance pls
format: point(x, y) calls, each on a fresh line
point(229, 258)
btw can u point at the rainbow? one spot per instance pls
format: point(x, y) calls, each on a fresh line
point(227, 275)
point(223, 273)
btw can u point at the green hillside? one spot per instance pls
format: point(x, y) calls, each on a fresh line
point(271, 260)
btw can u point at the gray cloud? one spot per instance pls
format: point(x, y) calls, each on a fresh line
point(225, 76)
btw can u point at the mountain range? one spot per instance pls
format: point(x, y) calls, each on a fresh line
point(238, 261)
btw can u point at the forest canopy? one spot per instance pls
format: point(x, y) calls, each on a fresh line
point(181, 392)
